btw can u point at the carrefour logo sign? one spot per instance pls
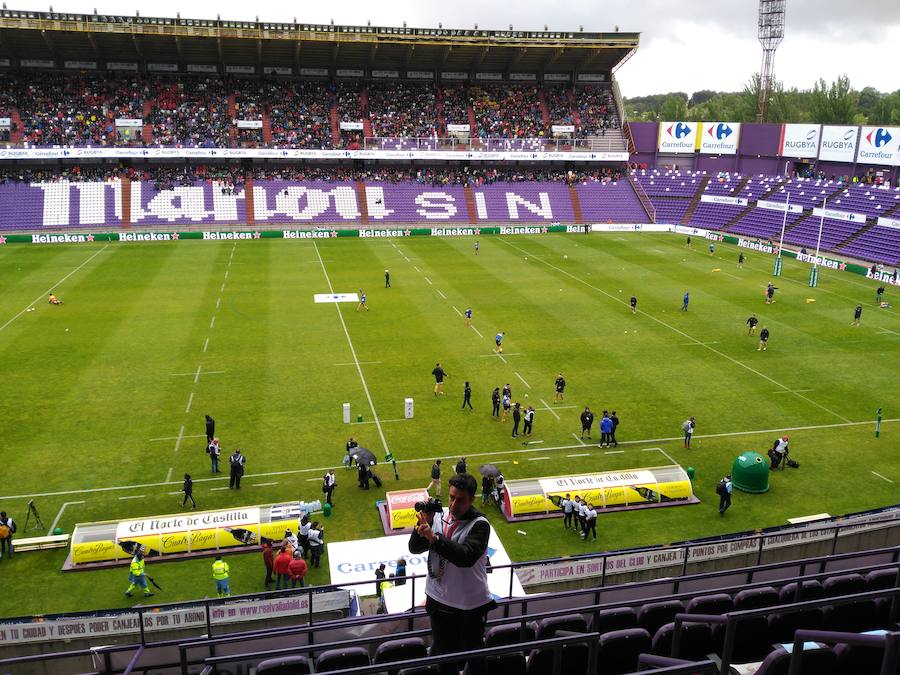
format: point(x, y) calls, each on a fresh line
point(720, 131)
point(879, 137)
point(678, 130)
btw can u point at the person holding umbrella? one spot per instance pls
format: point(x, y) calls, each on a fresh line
point(364, 459)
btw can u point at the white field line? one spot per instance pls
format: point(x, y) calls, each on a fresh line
point(321, 469)
point(351, 363)
point(456, 310)
point(882, 477)
point(132, 497)
point(172, 438)
point(169, 475)
point(702, 344)
point(477, 331)
point(733, 276)
point(226, 273)
point(882, 331)
point(666, 454)
point(787, 391)
point(417, 269)
point(59, 515)
point(212, 322)
point(487, 356)
point(218, 302)
point(500, 356)
point(580, 454)
point(537, 459)
point(362, 377)
point(430, 283)
point(382, 421)
point(614, 452)
point(50, 290)
point(177, 492)
point(577, 438)
point(547, 407)
point(676, 330)
point(205, 344)
point(187, 408)
point(208, 372)
point(220, 488)
point(522, 378)
point(222, 288)
point(441, 294)
point(197, 375)
point(267, 484)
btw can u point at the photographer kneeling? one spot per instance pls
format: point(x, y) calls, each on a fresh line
point(458, 598)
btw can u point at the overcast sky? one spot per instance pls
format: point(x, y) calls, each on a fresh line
point(686, 45)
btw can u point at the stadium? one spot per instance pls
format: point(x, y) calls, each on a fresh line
point(272, 289)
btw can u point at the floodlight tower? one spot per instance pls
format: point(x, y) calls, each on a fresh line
point(771, 33)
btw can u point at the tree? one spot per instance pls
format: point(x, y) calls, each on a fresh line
point(834, 104)
point(702, 96)
point(674, 108)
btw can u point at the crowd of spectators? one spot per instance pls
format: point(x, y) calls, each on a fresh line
point(596, 110)
point(80, 109)
point(399, 109)
point(191, 113)
point(559, 105)
point(232, 176)
point(505, 111)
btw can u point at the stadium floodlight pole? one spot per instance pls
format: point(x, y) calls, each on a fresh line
point(787, 206)
point(814, 273)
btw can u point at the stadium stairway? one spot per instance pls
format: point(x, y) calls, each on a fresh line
point(266, 128)
point(364, 109)
point(335, 126)
point(749, 208)
point(576, 117)
point(473, 129)
point(576, 204)
point(147, 129)
point(126, 201)
point(439, 112)
point(545, 112)
point(695, 201)
point(16, 135)
point(470, 204)
point(649, 209)
point(249, 205)
point(807, 216)
point(361, 201)
point(232, 115)
point(742, 183)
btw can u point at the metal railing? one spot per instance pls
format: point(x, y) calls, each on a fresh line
point(475, 144)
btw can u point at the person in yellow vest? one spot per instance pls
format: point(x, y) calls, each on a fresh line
point(136, 576)
point(220, 574)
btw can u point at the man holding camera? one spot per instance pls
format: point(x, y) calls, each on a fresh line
point(458, 598)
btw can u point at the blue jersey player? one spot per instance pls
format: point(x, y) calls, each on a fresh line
point(498, 339)
point(468, 316)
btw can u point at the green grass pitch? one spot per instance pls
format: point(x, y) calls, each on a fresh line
point(90, 387)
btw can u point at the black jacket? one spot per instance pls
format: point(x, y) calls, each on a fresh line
point(461, 467)
point(462, 554)
point(587, 419)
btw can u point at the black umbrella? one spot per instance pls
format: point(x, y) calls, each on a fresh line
point(489, 470)
point(364, 456)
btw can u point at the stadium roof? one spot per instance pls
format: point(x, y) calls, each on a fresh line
point(65, 37)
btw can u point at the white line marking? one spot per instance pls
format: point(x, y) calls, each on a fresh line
point(752, 432)
point(547, 407)
point(212, 322)
point(310, 480)
point(197, 375)
point(417, 269)
point(882, 477)
point(441, 294)
point(50, 290)
point(702, 344)
point(537, 459)
point(789, 391)
point(190, 400)
point(208, 372)
point(406, 259)
point(382, 421)
point(222, 288)
point(206, 344)
point(456, 310)
point(580, 454)
point(132, 497)
point(169, 475)
point(676, 330)
point(578, 438)
point(222, 488)
point(429, 281)
point(218, 302)
point(487, 356)
point(350, 363)
point(177, 492)
point(180, 436)
point(362, 377)
point(523, 379)
point(500, 461)
point(478, 332)
point(266, 484)
point(650, 449)
point(882, 331)
point(499, 356)
point(172, 438)
point(226, 273)
point(733, 276)
point(59, 515)
point(613, 452)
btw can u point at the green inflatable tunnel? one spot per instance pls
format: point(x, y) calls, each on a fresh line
point(750, 472)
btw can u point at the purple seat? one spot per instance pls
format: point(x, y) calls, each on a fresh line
point(755, 598)
point(284, 665)
point(400, 650)
point(696, 641)
point(817, 661)
point(783, 625)
point(751, 640)
point(619, 650)
point(655, 614)
point(810, 590)
point(608, 620)
point(715, 603)
point(574, 660)
point(882, 579)
point(547, 628)
point(338, 659)
point(844, 584)
point(505, 664)
point(858, 660)
point(508, 634)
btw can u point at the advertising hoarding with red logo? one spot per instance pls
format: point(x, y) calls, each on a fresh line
point(401, 507)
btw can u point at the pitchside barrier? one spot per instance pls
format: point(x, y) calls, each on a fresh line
point(183, 535)
point(400, 232)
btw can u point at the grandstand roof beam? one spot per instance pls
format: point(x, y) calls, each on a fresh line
point(373, 49)
point(478, 59)
point(94, 45)
point(517, 56)
point(553, 57)
point(178, 49)
point(137, 46)
point(297, 55)
point(259, 50)
point(407, 55)
point(334, 53)
point(445, 55)
point(588, 60)
point(49, 43)
point(219, 50)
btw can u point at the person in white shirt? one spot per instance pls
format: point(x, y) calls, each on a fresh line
point(590, 522)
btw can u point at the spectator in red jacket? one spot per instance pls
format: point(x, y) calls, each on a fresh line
point(282, 568)
point(269, 561)
point(297, 569)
